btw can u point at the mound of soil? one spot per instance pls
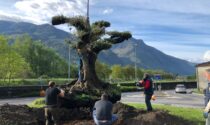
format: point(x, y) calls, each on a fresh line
point(24, 115)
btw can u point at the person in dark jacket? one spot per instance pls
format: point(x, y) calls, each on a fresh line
point(102, 112)
point(146, 82)
point(51, 96)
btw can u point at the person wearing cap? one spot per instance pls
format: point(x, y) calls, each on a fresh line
point(51, 95)
point(102, 112)
point(146, 82)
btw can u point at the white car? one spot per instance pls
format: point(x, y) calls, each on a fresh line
point(180, 88)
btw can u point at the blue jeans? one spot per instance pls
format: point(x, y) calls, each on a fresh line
point(148, 102)
point(108, 122)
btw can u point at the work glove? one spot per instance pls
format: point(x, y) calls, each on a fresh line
point(205, 114)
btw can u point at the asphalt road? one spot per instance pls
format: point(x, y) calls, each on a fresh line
point(18, 101)
point(167, 98)
point(164, 97)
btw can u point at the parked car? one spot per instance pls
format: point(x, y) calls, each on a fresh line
point(180, 88)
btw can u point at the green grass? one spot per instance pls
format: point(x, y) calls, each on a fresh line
point(197, 91)
point(192, 114)
point(128, 88)
point(37, 103)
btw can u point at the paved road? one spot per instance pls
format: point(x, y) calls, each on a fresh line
point(168, 98)
point(17, 101)
point(165, 97)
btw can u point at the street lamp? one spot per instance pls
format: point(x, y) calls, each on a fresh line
point(69, 69)
point(135, 45)
point(87, 8)
point(87, 11)
point(69, 59)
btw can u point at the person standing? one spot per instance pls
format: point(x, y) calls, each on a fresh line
point(102, 113)
point(206, 113)
point(147, 83)
point(51, 95)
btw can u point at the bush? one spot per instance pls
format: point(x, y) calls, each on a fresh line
point(38, 103)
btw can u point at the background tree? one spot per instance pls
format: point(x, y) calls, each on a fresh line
point(12, 63)
point(103, 70)
point(117, 72)
point(42, 59)
point(92, 39)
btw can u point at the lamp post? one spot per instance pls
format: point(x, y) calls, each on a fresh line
point(88, 8)
point(69, 61)
point(135, 45)
point(87, 11)
point(69, 69)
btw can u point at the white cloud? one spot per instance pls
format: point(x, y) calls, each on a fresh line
point(18, 18)
point(108, 11)
point(206, 56)
point(44, 10)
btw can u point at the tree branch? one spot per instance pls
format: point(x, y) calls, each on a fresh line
point(118, 37)
point(100, 45)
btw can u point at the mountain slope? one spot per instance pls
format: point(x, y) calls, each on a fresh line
point(48, 34)
point(123, 53)
point(147, 57)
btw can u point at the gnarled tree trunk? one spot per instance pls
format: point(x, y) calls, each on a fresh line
point(90, 79)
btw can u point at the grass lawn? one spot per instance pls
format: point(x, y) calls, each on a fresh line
point(37, 103)
point(192, 114)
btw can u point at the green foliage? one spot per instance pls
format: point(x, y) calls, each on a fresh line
point(100, 45)
point(37, 103)
point(85, 97)
point(116, 72)
point(101, 24)
point(103, 71)
point(42, 60)
point(89, 35)
point(12, 65)
point(192, 114)
point(19, 82)
point(56, 20)
point(192, 77)
point(128, 88)
point(125, 72)
point(162, 73)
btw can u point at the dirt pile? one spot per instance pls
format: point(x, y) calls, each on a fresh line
point(20, 115)
point(23, 115)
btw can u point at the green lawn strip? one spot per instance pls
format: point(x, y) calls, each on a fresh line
point(37, 103)
point(192, 114)
point(197, 91)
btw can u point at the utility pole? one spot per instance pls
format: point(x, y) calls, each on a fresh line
point(88, 11)
point(68, 42)
point(135, 45)
point(69, 66)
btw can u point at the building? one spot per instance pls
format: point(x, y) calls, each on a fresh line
point(203, 75)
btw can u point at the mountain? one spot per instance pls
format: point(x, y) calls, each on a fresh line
point(48, 34)
point(123, 53)
point(147, 57)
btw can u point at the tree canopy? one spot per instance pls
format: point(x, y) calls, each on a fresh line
point(94, 36)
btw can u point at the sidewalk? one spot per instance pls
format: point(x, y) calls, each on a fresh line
point(161, 94)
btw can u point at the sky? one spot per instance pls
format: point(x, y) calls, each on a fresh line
point(180, 28)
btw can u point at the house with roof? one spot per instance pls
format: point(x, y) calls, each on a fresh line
point(203, 75)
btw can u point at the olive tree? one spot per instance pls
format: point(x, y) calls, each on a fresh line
point(91, 40)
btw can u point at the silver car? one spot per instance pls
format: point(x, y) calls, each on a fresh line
point(180, 88)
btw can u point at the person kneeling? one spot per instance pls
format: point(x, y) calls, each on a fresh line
point(102, 112)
